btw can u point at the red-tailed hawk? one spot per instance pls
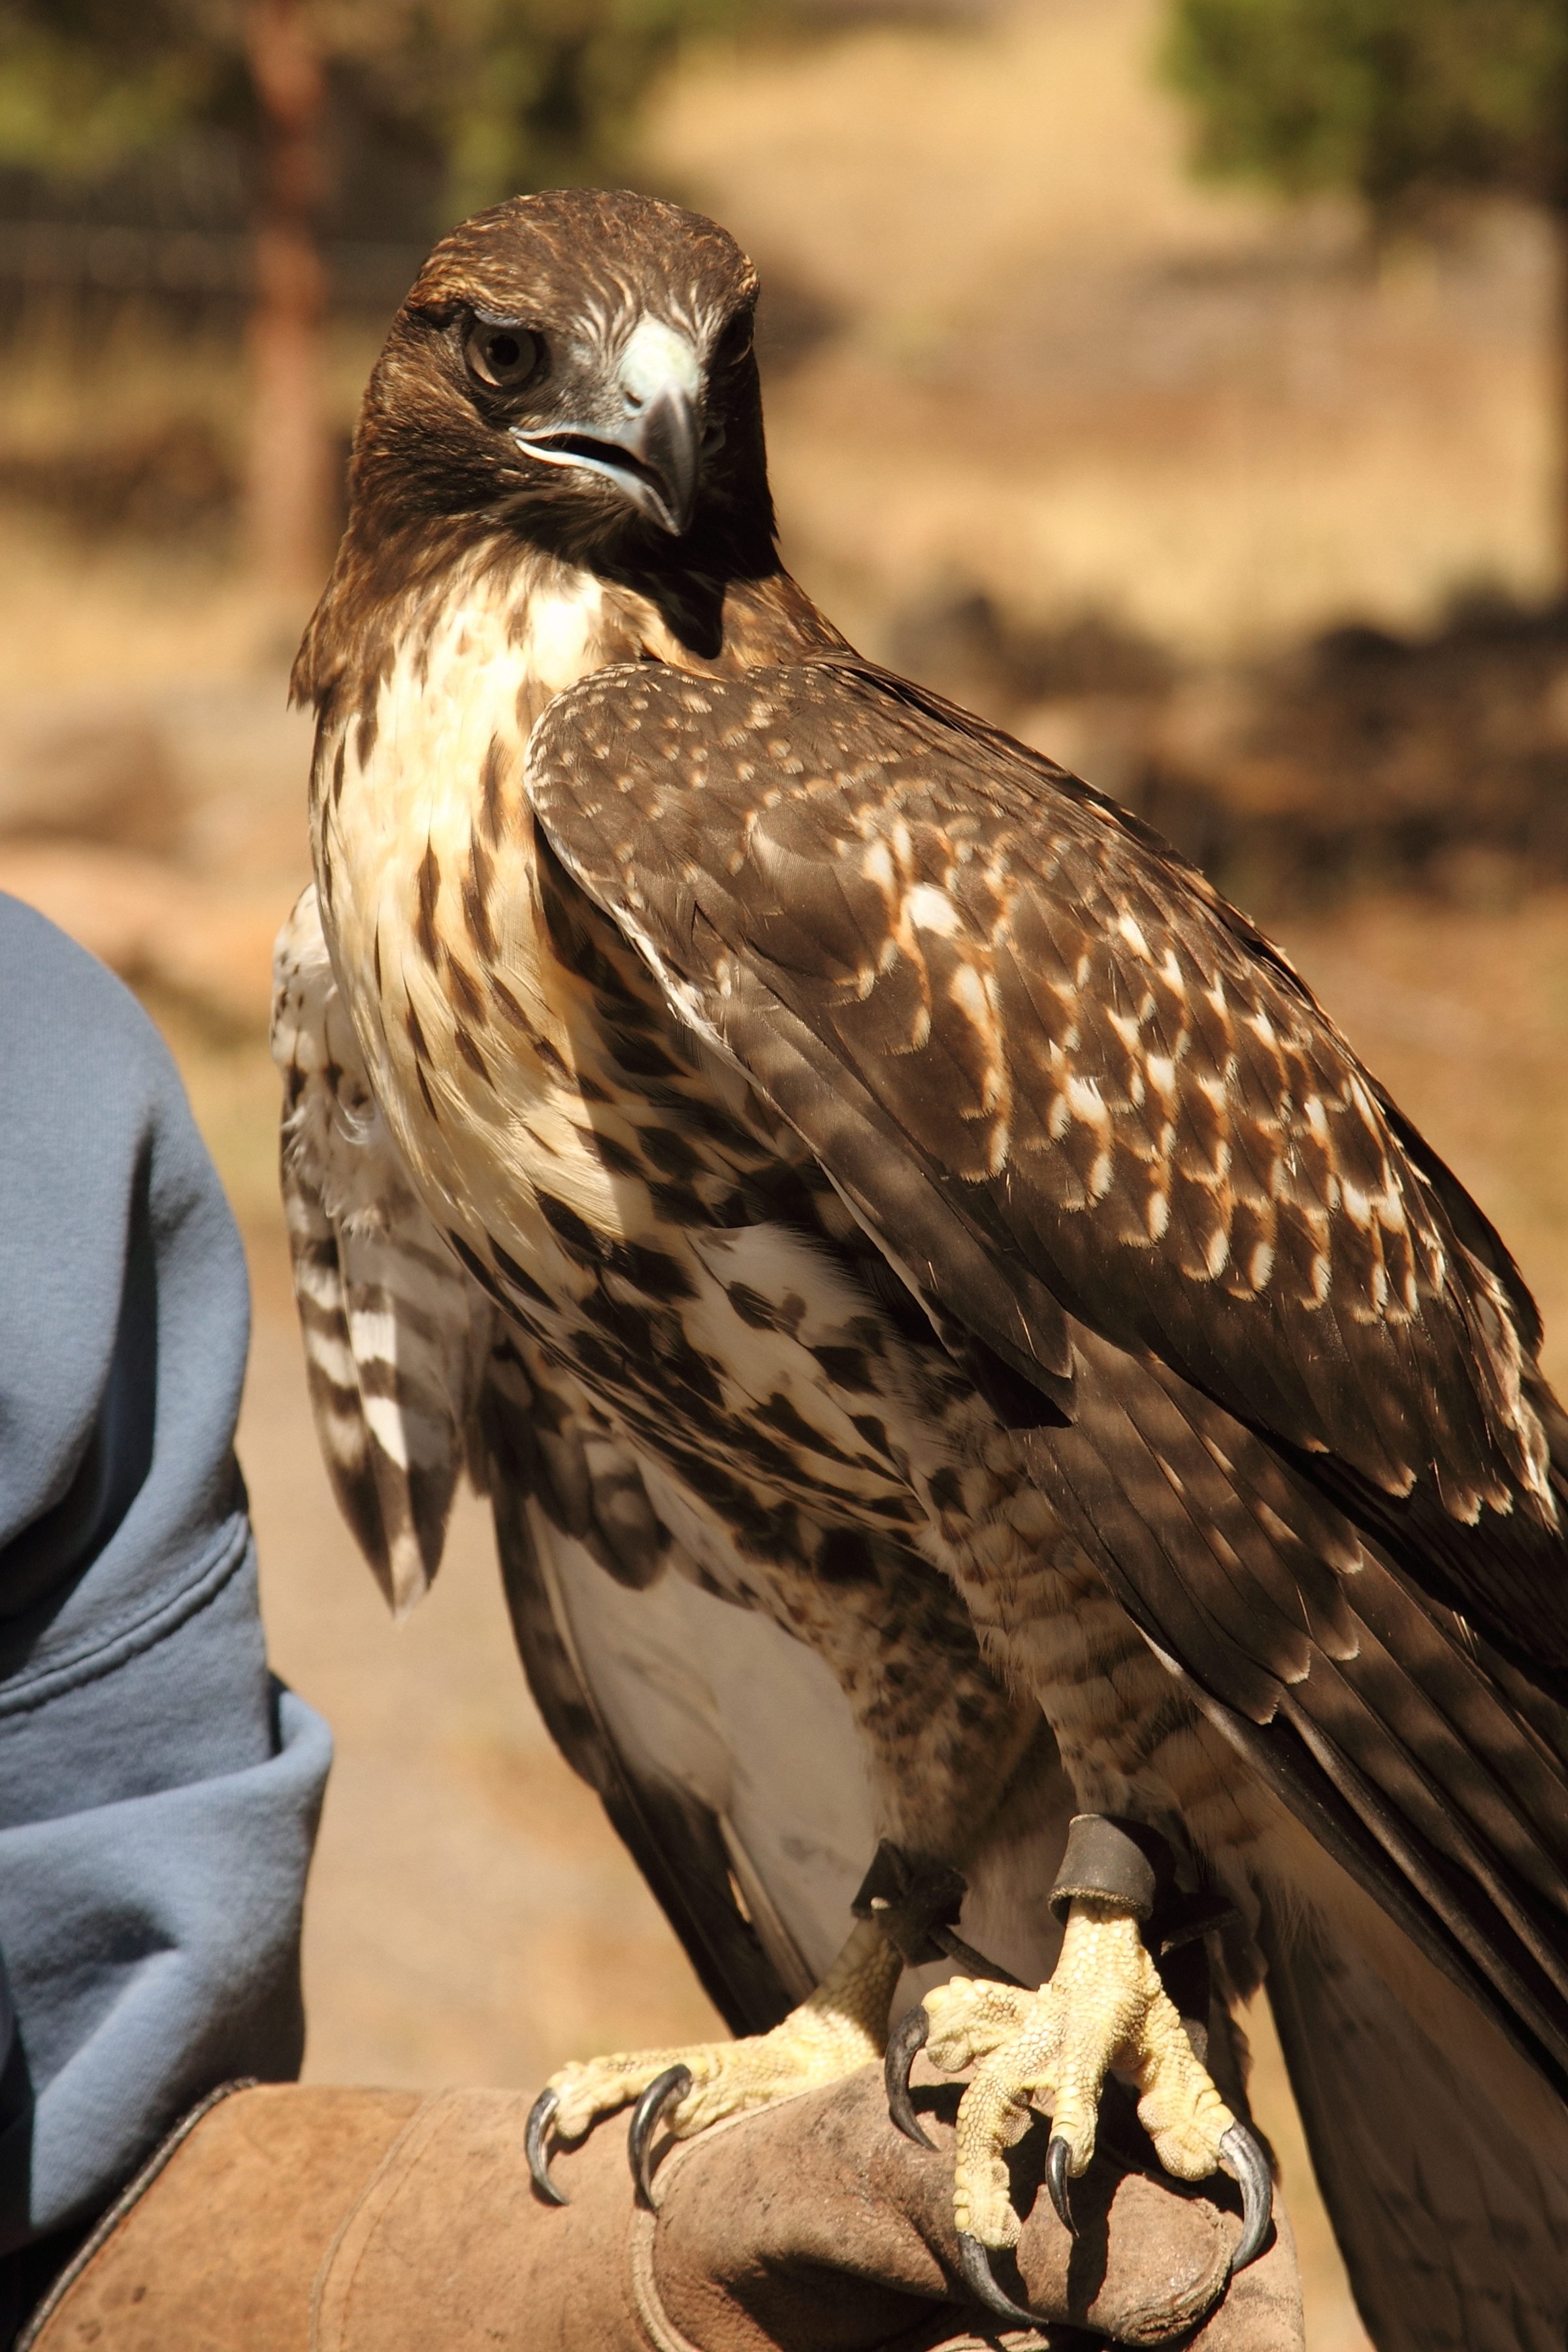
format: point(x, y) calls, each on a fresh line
point(953, 1334)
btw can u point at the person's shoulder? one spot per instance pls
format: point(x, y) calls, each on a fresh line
point(96, 1107)
point(59, 1001)
point(36, 956)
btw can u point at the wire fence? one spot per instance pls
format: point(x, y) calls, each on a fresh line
point(97, 258)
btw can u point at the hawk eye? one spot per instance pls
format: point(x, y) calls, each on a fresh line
point(501, 355)
point(735, 343)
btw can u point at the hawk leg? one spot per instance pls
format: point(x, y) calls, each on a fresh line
point(842, 2027)
point(1105, 2008)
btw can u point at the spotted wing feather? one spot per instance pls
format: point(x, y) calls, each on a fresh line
point(998, 1008)
point(1386, 1725)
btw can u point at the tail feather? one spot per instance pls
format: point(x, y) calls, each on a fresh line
point(395, 1333)
point(1452, 2222)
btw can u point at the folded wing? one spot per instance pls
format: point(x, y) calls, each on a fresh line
point(1093, 1117)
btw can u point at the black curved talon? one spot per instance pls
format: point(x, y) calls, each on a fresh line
point(908, 2036)
point(541, 2116)
point(974, 2261)
point(1057, 2154)
point(1241, 2156)
point(666, 2090)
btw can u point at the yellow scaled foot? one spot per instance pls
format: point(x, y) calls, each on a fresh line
point(842, 2027)
point(1105, 2007)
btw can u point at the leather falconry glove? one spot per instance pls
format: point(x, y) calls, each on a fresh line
point(283, 2219)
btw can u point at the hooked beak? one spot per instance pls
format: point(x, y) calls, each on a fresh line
point(651, 451)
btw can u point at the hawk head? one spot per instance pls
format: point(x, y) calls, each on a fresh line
point(576, 367)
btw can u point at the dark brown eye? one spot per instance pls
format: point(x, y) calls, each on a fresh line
point(500, 355)
point(736, 342)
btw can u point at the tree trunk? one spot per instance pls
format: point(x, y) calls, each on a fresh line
point(1558, 215)
point(289, 501)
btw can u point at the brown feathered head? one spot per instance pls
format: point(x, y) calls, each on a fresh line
point(576, 367)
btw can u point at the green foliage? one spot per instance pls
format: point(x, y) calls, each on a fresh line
point(509, 94)
point(524, 93)
point(1393, 99)
point(85, 83)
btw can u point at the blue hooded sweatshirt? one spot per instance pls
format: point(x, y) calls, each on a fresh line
point(159, 1789)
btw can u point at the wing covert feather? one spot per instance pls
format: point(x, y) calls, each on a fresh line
point(991, 1002)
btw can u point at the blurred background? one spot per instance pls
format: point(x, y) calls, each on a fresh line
point(1180, 382)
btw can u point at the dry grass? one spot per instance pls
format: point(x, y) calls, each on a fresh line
point(1074, 377)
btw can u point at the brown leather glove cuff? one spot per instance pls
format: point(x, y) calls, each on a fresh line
point(297, 2219)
